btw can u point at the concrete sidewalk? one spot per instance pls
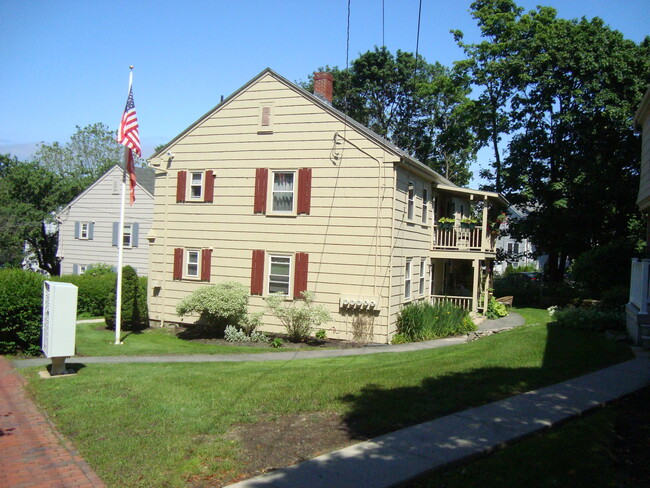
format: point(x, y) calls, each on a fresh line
point(508, 322)
point(408, 453)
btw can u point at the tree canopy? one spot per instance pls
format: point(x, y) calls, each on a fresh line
point(566, 92)
point(422, 108)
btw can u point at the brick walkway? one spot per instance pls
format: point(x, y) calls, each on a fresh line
point(34, 455)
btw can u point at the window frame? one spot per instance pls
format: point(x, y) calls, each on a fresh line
point(410, 201)
point(84, 226)
point(272, 191)
point(408, 279)
point(83, 268)
point(289, 275)
point(191, 185)
point(129, 234)
point(265, 128)
point(425, 206)
point(422, 276)
point(188, 263)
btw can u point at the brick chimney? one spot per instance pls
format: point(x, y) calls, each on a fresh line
point(323, 86)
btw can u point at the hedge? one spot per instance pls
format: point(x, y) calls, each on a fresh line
point(21, 311)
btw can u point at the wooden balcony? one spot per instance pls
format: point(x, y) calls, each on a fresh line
point(463, 239)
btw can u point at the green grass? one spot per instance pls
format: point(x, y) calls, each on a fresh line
point(534, 316)
point(144, 425)
point(95, 340)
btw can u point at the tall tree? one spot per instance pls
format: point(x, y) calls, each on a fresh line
point(573, 159)
point(492, 65)
point(410, 106)
point(29, 195)
point(91, 151)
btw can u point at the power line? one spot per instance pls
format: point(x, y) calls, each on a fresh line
point(417, 42)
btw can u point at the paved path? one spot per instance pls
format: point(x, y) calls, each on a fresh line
point(34, 455)
point(401, 456)
point(508, 322)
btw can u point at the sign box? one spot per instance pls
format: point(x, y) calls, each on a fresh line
point(59, 319)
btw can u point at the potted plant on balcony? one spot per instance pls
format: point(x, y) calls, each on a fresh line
point(468, 223)
point(446, 222)
point(496, 225)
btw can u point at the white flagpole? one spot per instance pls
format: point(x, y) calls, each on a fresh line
point(120, 244)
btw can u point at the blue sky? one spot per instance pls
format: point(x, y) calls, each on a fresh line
point(66, 63)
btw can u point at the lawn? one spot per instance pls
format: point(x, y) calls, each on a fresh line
point(164, 425)
point(96, 340)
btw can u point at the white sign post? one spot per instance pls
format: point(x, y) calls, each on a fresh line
point(59, 323)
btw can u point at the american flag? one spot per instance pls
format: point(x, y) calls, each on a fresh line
point(128, 134)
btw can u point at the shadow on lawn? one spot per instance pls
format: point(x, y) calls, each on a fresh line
point(377, 410)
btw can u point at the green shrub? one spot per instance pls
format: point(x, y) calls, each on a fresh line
point(219, 305)
point(539, 294)
point(495, 309)
point(594, 319)
point(298, 321)
point(321, 335)
point(398, 339)
point(143, 308)
point(130, 318)
point(21, 311)
point(528, 268)
point(421, 321)
point(94, 291)
point(604, 267)
point(616, 297)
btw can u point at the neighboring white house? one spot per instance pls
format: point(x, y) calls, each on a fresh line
point(637, 310)
point(89, 225)
point(519, 251)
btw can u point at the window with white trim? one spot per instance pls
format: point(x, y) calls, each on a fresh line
point(192, 266)
point(425, 205)
point(422, 274)
point(279, 274)
point(283, 191)
point(82, 268)
point(84, 231)
point(407, 278)
point(411, 201)
point(196, 185)
point(127, 235)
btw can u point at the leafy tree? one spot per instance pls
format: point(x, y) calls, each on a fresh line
point(491, 65)
point(569, 91)
point(29, 195)
point(423, 111)
point(91, 151)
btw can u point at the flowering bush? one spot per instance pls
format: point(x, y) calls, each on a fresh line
point(298, 321)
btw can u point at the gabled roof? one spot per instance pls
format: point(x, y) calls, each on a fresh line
point(389, 146)
point(145, 180)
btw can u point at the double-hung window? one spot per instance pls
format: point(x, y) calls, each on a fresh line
point(192, 269)
point(127, 235)
point(411, 201)
point(84, 231)
point(407, 278)
point(422, 271)
point(283, 191)
point(425, 205)
point(279, 274)
point(196, 185)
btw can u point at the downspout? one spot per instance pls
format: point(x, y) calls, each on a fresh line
point(392, 246)
point(164, 246)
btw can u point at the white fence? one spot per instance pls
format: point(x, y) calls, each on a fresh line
point(462, 302)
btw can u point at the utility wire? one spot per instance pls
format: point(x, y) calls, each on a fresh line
point(417, 42)
point(383, 24)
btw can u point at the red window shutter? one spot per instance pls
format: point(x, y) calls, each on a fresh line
point(301, 274)
point(206, 263)
point(304, 191)
point(181, 183)
point(257, 273)
point(209, 186)
point(178, 264)
point(261, 184)
point(266, 116)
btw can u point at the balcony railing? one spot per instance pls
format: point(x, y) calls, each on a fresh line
point(462, 302)
point(459, 238)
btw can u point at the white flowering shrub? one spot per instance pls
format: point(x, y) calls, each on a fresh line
point(552, 310)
